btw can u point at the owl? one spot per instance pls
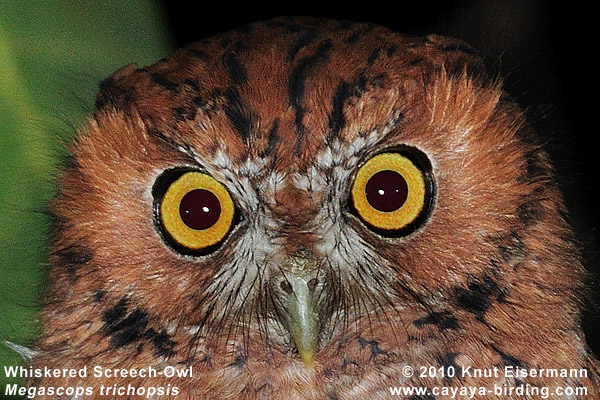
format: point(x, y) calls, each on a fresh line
point(311, 209)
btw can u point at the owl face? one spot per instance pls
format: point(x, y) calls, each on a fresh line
point(295, 192)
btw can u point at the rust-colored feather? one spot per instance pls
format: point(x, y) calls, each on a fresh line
point(283, 113)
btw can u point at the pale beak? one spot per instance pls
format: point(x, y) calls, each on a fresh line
point(303, 319)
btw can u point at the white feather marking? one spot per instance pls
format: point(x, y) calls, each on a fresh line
point(302, 182)
point(192, 329)
point(23, 351)
point(325, 158)
point(314, 181)
point(221, 160)
point(274, 181)
point(252, 168)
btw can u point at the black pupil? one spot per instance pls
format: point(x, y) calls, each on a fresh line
point(200, 209)
point(386, 191)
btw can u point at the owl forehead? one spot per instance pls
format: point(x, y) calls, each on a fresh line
point(289, 93)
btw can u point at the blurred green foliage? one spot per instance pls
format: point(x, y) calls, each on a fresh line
point(53, 53)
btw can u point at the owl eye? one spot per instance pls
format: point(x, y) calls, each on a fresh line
point(390, 193)
point(194, 211)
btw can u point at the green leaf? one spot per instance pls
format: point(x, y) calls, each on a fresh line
point(53, 54)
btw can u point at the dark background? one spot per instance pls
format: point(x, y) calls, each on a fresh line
point(542, 50)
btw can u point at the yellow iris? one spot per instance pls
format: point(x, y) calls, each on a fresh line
point(389, 192)
point(197, 211)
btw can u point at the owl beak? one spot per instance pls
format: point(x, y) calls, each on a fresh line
point(303, 321)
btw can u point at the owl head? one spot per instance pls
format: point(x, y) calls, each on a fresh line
point(297, 191)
